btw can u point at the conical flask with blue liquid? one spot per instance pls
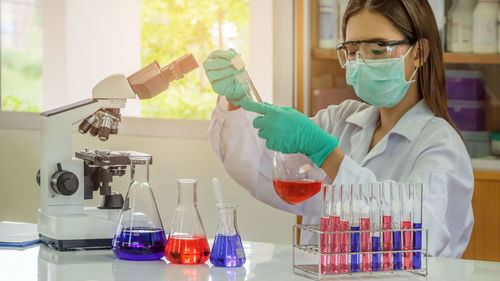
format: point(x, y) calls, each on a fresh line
point(139, 235)
point(227, 250)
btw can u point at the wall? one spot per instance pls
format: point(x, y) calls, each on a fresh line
point(172, 158)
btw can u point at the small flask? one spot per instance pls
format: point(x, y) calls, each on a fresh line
point(187, 242)
point(139, 235)
point(227, 250)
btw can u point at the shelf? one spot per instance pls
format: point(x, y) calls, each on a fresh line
point(450, 58)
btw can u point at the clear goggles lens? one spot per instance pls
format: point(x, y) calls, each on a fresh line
point(367, 51)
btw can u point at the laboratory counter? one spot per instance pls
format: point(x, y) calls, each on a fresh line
point(265, 261)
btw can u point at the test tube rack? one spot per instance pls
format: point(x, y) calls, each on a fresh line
point(307, 257)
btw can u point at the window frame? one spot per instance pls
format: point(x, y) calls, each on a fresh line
point(270, 48)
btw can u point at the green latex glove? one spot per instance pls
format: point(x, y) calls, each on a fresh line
point(289, 131)
point(222, 75)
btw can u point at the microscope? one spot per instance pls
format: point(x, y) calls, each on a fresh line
point(65, 181)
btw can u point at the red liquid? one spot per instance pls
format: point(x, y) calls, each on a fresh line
point(294, 192)
point(387, 242)
point(365, 245)
point(344, 247)
point(187, 249)
point(325, 247)
point(407, 245)
point(334, 244)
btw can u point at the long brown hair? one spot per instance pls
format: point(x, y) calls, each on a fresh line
point(415, 19)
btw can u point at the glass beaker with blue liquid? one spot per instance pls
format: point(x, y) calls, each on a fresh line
point(227, 250)
point(139, 235)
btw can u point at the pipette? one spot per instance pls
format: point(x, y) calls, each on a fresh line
point(243, 77)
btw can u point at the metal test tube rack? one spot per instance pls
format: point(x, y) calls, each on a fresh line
point(307, 257)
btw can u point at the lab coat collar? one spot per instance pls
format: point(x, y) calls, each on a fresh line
point(409, 126)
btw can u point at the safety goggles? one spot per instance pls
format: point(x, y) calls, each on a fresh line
point(369, 50)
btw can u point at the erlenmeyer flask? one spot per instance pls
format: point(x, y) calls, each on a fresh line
point(187, 242)
point(295, 177)
point(139, 235)
point(227, 250)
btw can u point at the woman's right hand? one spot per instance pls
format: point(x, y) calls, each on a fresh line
point(222, 75)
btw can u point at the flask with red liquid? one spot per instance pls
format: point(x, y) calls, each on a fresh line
point(295, 177)
point(187, 242)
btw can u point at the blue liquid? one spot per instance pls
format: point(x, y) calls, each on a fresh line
point(376, 262)
point(397, 245)
point(417, 245)
point(355, 247)
point(140, 244)
point(227, 251)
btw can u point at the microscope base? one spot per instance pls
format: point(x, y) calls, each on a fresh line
point(72, 245)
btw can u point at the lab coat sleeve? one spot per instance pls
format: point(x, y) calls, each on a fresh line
point(244, 155)
point(446, 174)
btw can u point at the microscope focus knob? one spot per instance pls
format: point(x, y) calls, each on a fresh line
point(64, 182)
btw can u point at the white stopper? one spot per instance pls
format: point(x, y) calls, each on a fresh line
point(217, 189)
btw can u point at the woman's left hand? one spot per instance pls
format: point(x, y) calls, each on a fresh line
point(289, 131)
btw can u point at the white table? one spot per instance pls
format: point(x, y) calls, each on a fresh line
point(265, 261)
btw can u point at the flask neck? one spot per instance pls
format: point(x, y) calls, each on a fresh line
point(139, 171)
point(227, 220)
point(187, 192)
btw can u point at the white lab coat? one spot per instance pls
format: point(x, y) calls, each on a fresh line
point(420, 148)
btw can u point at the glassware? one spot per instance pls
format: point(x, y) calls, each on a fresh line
point(365, 225)
point(326, 219)
point(397, 241)
point(354, 222)
point(139, 235)
point(345, 209)
point(187, 242)
point(386, 224)
point(295, 177)
point(406, 210)
point(416, 193)
point(227, 250)
point(375, 221)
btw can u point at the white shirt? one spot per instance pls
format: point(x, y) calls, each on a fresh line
point(420, 148)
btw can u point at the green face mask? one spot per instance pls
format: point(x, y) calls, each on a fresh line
point(381, 82)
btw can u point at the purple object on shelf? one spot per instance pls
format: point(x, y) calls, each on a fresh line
point(467, 115)
point(465, 85)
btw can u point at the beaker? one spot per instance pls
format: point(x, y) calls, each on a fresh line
point(140, 234)
point(187, 242)
point(227, 250)
point(295, 177)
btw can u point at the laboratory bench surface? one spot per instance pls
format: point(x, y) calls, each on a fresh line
point(265, 261)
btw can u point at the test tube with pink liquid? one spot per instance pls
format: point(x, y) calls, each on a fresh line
point(325, 227)
point(365, 191)
point(335, 226)
point(386, 225)
point(345, 210)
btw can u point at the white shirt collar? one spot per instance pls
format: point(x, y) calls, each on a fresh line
point(409, 126)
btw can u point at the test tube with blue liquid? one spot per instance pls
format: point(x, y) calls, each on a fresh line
point(375, 216)
point(354, 222)
point(397, 243)
point(416, 193)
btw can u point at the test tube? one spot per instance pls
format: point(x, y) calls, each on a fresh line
point(375, 216)
point(335, 226)
point(416, 191)
point(354, 222)
point(325, 227)
point(365, 225)
point(344, 226)
point(406, 224)
point(386, 224)
point(397, 243)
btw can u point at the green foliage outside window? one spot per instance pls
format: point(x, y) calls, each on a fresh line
point(171, 28)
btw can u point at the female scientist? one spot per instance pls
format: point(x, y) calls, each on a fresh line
point(393, 59)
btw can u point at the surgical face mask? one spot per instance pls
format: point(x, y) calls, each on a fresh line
point(382, 82)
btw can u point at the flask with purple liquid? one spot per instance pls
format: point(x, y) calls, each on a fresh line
point(139, 235)
point(227, 250)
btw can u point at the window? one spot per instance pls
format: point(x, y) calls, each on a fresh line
point(21, 55)
point(171, 28)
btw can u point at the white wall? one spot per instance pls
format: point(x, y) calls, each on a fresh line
point(172, 158)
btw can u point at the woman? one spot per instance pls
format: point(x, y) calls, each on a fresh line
point(393, 59)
